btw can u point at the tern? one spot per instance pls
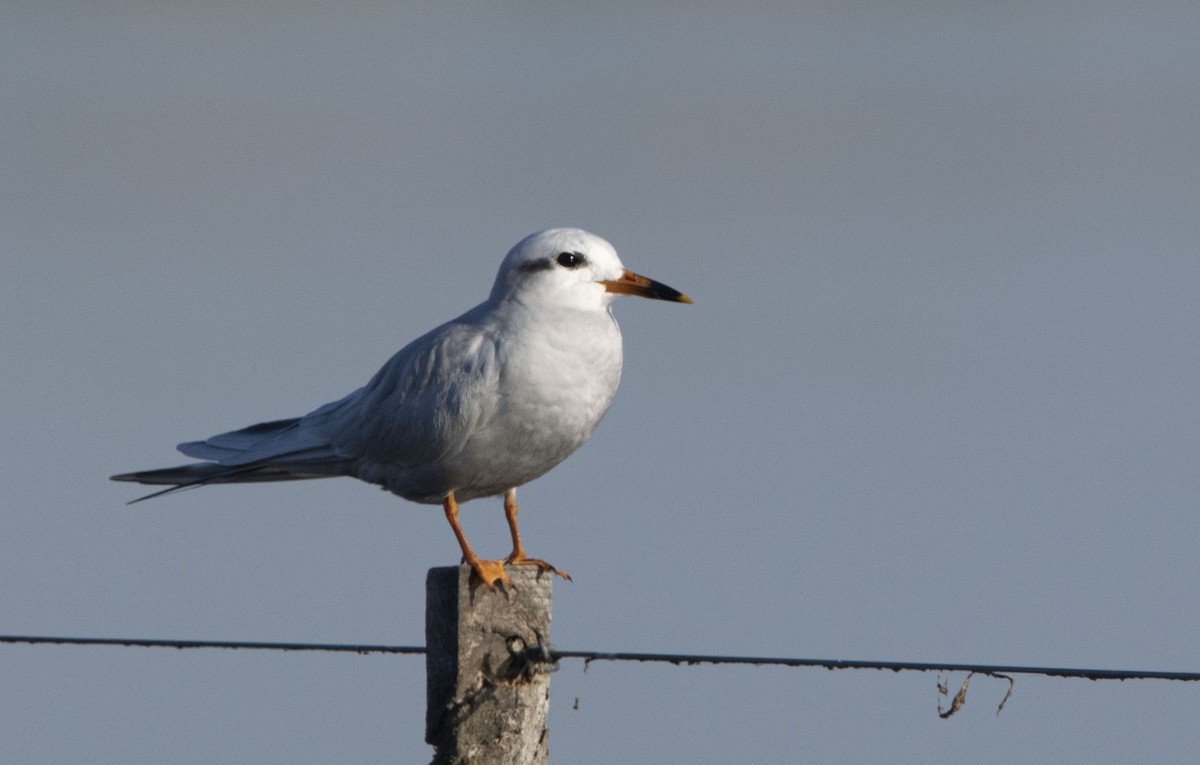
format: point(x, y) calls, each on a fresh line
point(475, 408)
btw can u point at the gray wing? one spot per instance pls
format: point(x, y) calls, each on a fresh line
point(281, 450)
point(425, 402)
point(421, 406)
point(297, 440)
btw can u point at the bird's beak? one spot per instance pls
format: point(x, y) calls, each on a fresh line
point(636, 284)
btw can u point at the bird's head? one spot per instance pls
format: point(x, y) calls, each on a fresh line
point(572, 268)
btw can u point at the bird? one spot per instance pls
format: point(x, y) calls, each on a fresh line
point(474, 408)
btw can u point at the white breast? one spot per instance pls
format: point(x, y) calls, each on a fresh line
point(558, 373)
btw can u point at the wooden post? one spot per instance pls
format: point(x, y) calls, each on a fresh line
point(486, 700)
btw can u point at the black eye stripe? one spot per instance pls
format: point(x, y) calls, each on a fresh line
point(571, 259)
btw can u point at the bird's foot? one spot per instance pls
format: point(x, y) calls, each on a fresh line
point(490, 572)
point(521, 560)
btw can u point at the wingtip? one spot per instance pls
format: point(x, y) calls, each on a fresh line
point(137, 478)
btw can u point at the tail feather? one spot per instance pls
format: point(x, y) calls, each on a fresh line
point(208, 472)
point(203, 473)
point(280, 450)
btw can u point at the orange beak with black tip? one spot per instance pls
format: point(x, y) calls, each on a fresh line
point(636, 284)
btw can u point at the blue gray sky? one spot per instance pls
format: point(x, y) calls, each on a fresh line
point(936, 400)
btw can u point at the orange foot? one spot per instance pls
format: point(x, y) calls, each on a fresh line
point(521, 560)
point(490, 572)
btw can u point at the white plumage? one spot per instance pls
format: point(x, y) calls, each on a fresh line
point(476, 407)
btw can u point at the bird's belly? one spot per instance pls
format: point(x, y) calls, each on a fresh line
point(513, 450)
point(516, 452)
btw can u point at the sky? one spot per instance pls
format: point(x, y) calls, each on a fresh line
point(935, 401)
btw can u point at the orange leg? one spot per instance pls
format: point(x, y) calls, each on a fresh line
point(488, 571)
point(517, 557)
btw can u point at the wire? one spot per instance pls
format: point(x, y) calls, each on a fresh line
point(669, 658)
point(894, 666)
point(228, 644)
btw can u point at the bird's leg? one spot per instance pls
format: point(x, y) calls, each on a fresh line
point(488, 571)
point(517, 557)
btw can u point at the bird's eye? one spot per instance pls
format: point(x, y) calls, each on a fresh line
point(571, 259)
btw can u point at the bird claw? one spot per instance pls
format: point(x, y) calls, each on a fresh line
point(541, 564)
point(490, 572)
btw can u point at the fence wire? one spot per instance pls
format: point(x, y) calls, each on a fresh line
point(683, 659)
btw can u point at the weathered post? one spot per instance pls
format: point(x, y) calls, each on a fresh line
point(487, 692)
